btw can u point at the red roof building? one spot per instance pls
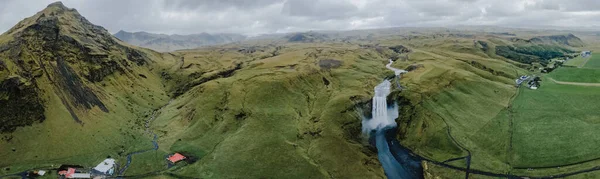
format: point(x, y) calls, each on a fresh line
point(67, 173)
point(176, 158)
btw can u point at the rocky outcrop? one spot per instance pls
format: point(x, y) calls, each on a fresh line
point(328, 64)
point(400, 49)
point(20, 104)
point(80, 94)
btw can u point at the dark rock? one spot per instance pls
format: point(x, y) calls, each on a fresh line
point(223, 74)
point(241, 116)
point(77, 90)
point(329, 63)
point(414, 67)
point(325, 81)
point(135, 56)
point(106, 68)
point(20, 105)
point(400, 49)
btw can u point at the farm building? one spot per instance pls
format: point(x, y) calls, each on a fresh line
point(521, 80)
point(176, 158)
point(105, 167)
point(534, 84)
point(73, 173)
point(586, 53)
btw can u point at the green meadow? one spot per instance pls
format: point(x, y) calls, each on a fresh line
point(594, 62)
point(570, 74)
point(555, 125)
point(576, 62)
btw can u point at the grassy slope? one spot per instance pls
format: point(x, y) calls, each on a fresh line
point(203, 121)
point(292, 119)
point(469, 101)
point(60, 140)
point(292, 116)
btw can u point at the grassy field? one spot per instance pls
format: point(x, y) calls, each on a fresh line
point(594, 62)
point(583, 75)
point(555, 125)
point(576, 62)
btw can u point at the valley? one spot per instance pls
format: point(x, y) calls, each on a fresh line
point(292, 106)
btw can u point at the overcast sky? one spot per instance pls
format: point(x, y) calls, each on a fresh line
point(274, 16)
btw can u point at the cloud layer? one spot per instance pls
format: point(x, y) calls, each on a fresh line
point(275, 16)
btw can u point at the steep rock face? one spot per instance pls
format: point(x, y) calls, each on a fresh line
point(57, 46)
point(16, 95)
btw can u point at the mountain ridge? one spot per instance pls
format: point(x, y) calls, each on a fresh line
point(173, 42)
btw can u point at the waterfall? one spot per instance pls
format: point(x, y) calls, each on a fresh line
point(396, 160)
point(382, 115)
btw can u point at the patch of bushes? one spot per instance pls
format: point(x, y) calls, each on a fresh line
point(532, 53)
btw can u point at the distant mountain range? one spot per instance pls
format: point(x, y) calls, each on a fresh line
point(165, 43)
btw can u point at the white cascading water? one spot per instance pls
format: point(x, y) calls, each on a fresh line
point(383, 117)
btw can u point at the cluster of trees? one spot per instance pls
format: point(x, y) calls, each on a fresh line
point(532, 53)
point(548, 69)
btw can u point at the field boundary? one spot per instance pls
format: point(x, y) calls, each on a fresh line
point(574, 83)
point(584, 62)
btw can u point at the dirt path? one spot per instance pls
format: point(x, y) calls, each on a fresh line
point(574, 83)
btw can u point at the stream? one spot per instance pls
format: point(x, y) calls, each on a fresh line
point(396, 160)
point(154, 140)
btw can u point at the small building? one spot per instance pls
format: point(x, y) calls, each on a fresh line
point(520, 80)
point(41, 172)
point(74, 173)
point(81, 175)
point(105, 167)
point(176, 158)
point(534, 84)
point(586, 53)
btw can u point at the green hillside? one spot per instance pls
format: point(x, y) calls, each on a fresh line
point(286, 107)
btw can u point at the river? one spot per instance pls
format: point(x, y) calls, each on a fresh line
point(396, 160)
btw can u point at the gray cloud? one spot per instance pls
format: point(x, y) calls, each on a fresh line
point(271, 16)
